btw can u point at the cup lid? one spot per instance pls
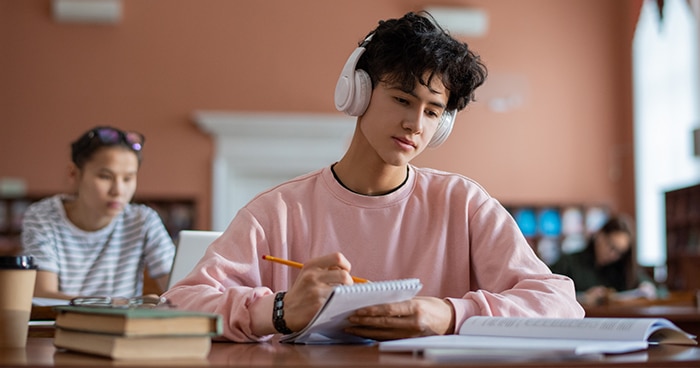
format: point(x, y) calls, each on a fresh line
point(17, 263)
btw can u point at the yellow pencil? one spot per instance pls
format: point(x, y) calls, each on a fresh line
point(299, 265)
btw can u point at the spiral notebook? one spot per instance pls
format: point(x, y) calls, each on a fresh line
point(330, 320)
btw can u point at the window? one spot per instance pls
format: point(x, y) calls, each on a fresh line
point(666, 78)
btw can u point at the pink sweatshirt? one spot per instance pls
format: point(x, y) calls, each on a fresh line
point(439, 227)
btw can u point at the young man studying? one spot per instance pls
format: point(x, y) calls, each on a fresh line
point(374, 215)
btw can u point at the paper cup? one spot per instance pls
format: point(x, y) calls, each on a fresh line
point(17, 277)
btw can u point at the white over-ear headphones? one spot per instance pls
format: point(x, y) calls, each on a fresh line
point(354, 87)
point(354, 90)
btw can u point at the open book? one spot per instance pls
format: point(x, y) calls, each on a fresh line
point(330, 320)
point(480, 336)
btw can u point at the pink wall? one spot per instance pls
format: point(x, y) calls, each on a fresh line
point(570, 142)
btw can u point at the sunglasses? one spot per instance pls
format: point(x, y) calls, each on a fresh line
point(138, 302)
point(112, 136)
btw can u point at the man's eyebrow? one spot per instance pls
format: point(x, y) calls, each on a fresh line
point(438, 104)
point(434, 103)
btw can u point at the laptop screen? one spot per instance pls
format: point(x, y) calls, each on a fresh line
point(191, 246)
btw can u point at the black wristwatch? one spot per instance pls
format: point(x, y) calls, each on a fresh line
point(278, 314)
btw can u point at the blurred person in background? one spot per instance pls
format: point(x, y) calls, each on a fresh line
point(606, 268)
point(94, 242)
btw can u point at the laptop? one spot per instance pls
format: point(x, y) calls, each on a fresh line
point(191, 246)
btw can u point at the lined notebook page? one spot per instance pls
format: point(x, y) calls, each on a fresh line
point(328, 324)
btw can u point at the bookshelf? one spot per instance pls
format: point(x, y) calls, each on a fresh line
point(177, 213)
point(11, 212)
point(683, 238)
point(556, 229)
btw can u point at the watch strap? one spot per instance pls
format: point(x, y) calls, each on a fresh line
point(278, 314)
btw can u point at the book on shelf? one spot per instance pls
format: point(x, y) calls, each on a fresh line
point(481, 337)
point(138, 321)
point(134, 347)
point(326, 327)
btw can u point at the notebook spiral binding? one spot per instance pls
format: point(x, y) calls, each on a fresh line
point(400, 284)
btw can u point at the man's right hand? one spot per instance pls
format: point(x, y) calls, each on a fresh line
point(313, 286)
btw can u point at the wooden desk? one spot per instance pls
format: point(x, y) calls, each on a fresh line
point(41, 352)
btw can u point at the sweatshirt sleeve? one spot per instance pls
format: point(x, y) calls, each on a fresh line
point(219, 283)
point(508, 279)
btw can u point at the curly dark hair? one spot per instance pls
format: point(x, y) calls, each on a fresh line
point(405, 50)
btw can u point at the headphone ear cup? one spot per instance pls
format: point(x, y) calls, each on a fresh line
point(354, 86)
point(357, 105)
point(444, 128)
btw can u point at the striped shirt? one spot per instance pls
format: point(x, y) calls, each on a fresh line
point(106, 262)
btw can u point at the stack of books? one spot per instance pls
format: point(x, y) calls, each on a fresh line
point(136, 333)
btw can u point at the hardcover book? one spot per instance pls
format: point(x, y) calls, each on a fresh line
point(136, 333)
point(137, 321)
point(134, 348)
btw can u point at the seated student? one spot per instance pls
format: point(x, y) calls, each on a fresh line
point(375, 215)
point(94, 242)
point(607, 265)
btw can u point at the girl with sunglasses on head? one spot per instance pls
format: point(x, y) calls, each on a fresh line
point(94, 242)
